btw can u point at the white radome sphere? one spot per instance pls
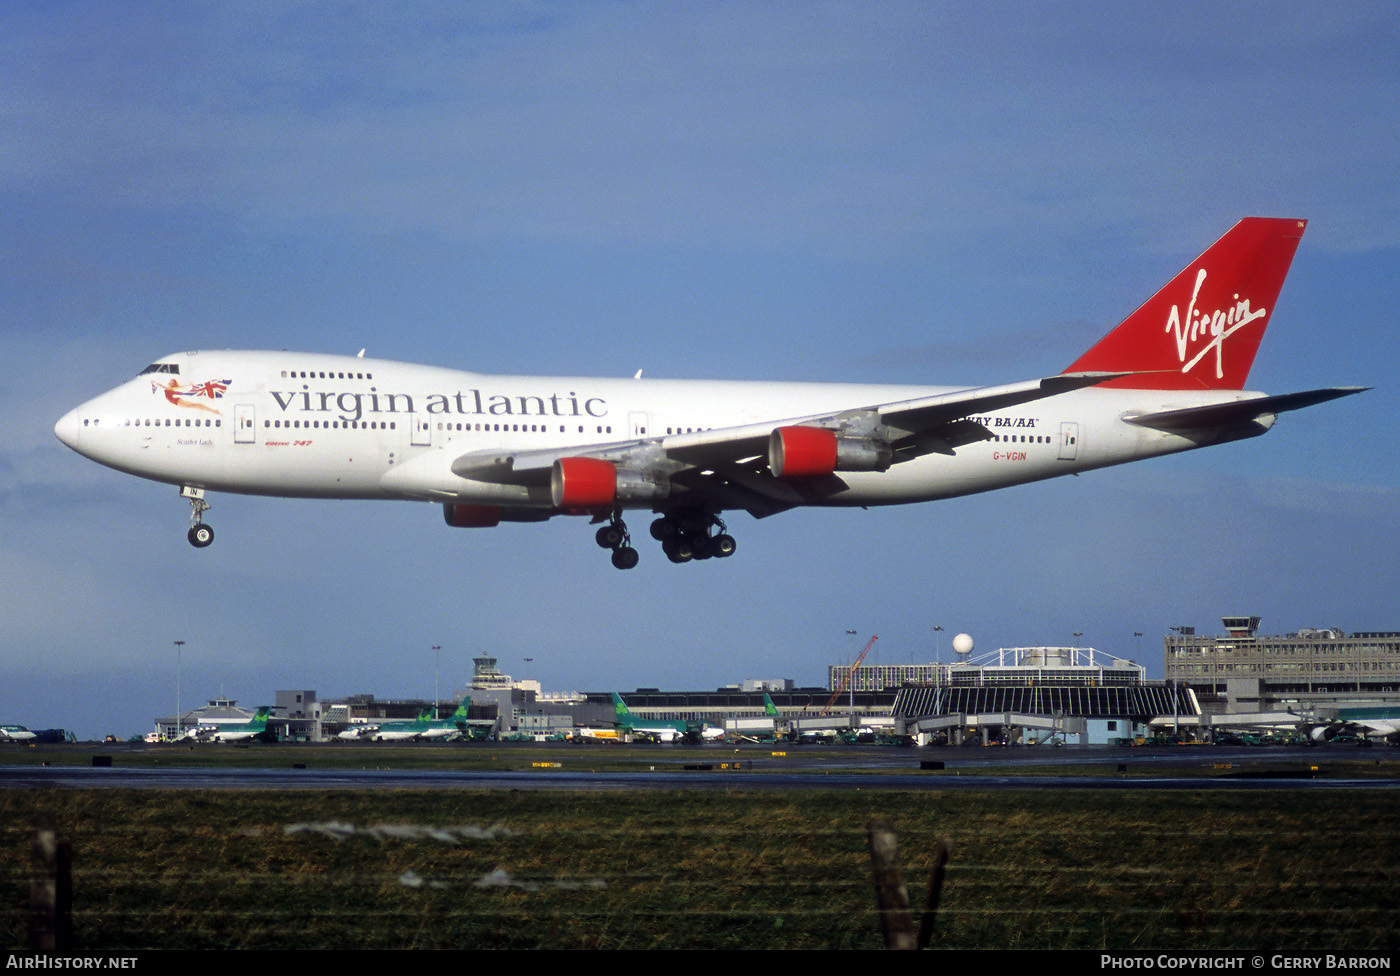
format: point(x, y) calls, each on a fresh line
point(962, 644)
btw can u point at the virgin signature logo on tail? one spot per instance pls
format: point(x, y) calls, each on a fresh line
point(1232, 287)
point(1219, 325)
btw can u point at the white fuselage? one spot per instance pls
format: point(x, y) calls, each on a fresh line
point(323, 426)
point(396, 735)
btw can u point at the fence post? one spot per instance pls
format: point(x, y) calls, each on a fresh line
point(893, 901)
point(935, 891)
point(50, 891)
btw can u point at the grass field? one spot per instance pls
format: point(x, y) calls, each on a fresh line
point(1246, 870)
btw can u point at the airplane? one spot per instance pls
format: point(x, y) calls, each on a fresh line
point(454, 725)
point(493, 449)
point(16, 733)
point(396, 731)
point(763, 729)
point(423, 727)
point(254, 728)
point(357, 732)
point(662, 730)
point(1381, 723)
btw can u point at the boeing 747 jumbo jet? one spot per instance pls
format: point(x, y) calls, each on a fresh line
point(492, 449)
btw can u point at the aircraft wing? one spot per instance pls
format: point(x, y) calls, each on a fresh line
point(727, 466)
point(915, 426)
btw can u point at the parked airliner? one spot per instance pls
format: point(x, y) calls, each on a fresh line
point(254, 728)
point(663, 730)
point(494, 449)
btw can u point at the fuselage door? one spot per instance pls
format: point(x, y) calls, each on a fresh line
point(245, 423)
point(422, 430)
point(637, 420)
point(1069, 441)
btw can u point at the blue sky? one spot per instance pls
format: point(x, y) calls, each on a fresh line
point(883, 192)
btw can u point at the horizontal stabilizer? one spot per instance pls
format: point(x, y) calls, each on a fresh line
point(1238, 411)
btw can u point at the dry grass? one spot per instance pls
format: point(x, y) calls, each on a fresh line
point(651, 869)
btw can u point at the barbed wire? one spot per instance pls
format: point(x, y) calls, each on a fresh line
point(631, 884)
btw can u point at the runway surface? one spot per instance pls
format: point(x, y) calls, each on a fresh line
point(802, 768)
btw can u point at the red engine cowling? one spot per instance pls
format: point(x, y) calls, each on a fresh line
point(461, 516)
point(582, 483)
point(802, 452)
point(814, 452)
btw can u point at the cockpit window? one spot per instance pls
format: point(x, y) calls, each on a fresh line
point(162, 368)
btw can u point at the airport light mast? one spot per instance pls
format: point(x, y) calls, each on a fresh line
point(179, 666)
point(437, 668)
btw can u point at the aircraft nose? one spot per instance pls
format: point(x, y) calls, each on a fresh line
point(68, 428)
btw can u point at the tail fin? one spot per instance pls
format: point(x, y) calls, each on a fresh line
point(259, 719)
point(1202, 330)
point(624, 714)
point(769, 708)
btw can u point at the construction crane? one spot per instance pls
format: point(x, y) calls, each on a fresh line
point(847, 679)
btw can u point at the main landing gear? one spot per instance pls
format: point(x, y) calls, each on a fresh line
point(200, 535)
point(692, 535)
point(683, 536)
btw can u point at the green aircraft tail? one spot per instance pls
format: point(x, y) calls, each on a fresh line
point(624, 715)
point(769, 708)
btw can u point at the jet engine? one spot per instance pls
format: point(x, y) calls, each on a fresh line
point(581, 484)
point(462, 516)
point(805, 452)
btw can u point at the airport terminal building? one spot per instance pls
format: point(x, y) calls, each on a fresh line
point(1313, 672)
point(1020, 695)
point(1013, 695)
point(1029, 695)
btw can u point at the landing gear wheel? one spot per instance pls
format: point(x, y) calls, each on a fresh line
point(625, 557)
point(678, 550)
point(200, 535)
point(615, 536)
point(686, 534)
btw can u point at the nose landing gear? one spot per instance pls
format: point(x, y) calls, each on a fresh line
point(200, 535)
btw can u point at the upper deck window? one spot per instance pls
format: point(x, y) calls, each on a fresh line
point(162, 368)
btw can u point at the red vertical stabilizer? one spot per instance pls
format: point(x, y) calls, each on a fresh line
point(1202, 330)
